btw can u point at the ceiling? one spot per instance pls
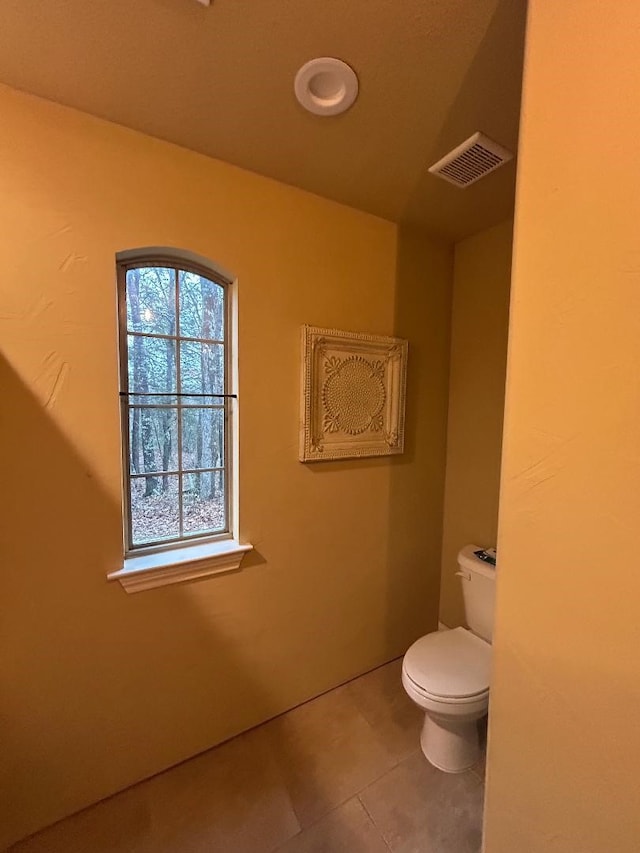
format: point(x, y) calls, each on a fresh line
point(219, 80)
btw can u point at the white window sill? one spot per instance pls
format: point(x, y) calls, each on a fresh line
point(183, 563)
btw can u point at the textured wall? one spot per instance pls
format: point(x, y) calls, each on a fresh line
point(423, 311)
point(479, 326)
point(101, 688)
point(564, 740)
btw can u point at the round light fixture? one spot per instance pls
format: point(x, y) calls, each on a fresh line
point(326, 86)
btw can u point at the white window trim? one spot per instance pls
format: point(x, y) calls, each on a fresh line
point(189, 561)
point(176, 565)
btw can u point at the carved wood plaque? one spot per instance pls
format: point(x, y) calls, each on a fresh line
point(353, 395)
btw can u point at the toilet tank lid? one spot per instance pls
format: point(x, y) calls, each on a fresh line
point(468, 560)
point(451, 664)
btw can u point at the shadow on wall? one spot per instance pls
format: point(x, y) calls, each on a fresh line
point(94, 680)
point(102, 689)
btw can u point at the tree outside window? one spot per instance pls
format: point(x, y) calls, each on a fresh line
point(174, 392)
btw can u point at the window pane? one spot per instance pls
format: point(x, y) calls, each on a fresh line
point(151, 300)
point(152, 367)
point(176, 419)
point(154, 509)
point(201, 368)
point(203, 502)
point(202, 438)
point(153, 440)
point(201, 307)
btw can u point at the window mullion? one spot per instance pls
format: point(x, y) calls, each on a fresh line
point(178, 389)
point(190, 339)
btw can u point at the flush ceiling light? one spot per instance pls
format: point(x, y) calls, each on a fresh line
point(326, 86)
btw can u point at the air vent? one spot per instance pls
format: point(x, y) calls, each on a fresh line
point(475, 158)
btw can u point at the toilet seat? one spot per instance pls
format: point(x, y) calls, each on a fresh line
point(450, 667)
point(419, 692)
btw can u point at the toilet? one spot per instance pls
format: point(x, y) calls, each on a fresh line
point(447, 673)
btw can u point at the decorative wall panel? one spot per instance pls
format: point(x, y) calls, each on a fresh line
point(353, 395)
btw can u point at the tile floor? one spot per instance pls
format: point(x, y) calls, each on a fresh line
point(340, 774)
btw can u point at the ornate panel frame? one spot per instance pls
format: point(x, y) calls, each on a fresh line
point(353, 395)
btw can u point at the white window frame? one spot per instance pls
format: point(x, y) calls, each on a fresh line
point(198, 555)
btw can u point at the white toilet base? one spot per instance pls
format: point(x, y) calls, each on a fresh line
point(451, 745)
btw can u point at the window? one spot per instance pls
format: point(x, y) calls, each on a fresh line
point(176, 403)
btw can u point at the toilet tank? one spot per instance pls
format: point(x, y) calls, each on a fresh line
point(478, 581)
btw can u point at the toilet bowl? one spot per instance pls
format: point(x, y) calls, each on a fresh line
point(447, 673)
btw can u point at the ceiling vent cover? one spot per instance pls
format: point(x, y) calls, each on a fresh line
point(476, 157)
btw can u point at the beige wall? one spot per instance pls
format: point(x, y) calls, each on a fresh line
point(479, 325)
point(564, 740)
point(422, 315)
point(100, 688)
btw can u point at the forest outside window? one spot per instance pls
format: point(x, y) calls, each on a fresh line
point(176, 405)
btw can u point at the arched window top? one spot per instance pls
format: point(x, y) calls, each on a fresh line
point(175, 257)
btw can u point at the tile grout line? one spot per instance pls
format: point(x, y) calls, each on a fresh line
point(373, 823)
point(397, 761)
point(394, 758)
point(324, 816)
